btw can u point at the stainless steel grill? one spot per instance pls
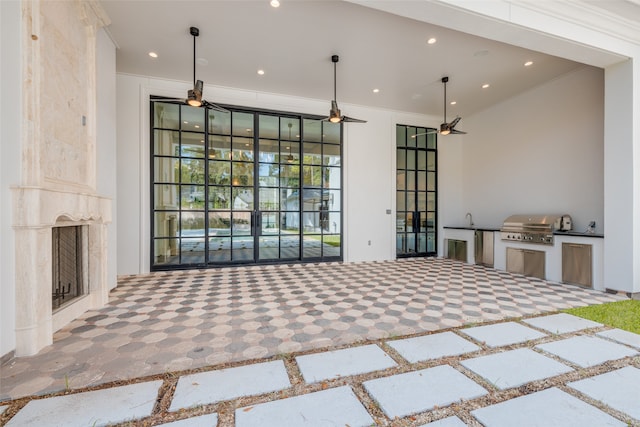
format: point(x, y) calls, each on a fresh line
point(533, 228)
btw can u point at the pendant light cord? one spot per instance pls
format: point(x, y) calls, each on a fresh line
point(445, 102)
point(334, 83)
point(194, 61)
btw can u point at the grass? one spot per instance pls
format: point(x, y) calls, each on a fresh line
point(621, 314)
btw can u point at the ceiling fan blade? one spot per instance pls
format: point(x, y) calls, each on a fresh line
point(429, 132)
point(211, 106)
point(454, 122)
point(182, 100)
point(352, 120)
point(458, 132)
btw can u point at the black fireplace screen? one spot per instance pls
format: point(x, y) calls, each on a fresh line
point(68, 265)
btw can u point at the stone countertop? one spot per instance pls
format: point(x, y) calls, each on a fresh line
point(577, 233)
point(472, 228)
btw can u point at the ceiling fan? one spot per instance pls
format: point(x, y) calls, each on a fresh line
point(334, 115)
point(194, 96)
point(446, 128)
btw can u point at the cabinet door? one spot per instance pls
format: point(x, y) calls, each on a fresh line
point(576, 264)
point(515, 260)
point(534, 264)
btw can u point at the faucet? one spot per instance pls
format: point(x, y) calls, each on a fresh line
point(470, 218)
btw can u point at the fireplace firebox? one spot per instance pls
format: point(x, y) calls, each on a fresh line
point(69, 265)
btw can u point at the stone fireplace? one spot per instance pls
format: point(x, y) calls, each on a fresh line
point(57, 191)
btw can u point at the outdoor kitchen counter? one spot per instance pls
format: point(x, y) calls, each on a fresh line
point(553, 253)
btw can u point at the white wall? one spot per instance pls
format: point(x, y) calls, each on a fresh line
point(10, 119)
point(106, 141)
point(369, 166)
point(538, 152)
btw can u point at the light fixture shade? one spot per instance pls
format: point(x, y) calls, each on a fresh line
point(194, 97)
point(444, 129)
point(334, 114)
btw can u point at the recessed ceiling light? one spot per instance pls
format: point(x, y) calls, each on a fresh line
point(274, 3)
point(185, 122)
point(261, 72)
point(486, 85)
point(528, 63)
point(153, 54)
point(432, 40)
point(376, 90)
point(197, 126)
point(453, 102)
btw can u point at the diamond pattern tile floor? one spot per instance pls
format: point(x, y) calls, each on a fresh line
point(186, 337)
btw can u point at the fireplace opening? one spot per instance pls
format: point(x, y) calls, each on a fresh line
point(69, 265)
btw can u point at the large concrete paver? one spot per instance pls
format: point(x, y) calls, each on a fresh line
point(587, 351)
point(547, 408)
point(623, 337)
point(515, 368)
point(619, 389)
point(209, 420)
point(419, 391)
point(339, 363)
point(500, 334)
point(332, 407)
point(432, 346)
point(216, 386)
point(562, 323)
point(92, 408)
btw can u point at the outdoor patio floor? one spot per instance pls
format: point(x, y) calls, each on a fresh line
point(183, 320)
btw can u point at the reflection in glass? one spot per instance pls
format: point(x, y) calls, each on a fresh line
point(431, 180)
point(192, 118)
point(330, 245)
point(242, 174)
point(268, 127)
point(242, 124)
point(333, 224)
point(192, 145)
point(290, 176)
point(192, 197)
point(269, 247)
point(289, 153)
point(166, 115)
point(192, 171)
point(165, 170)
point(289, 133)
point(219, 147)
point(422, 160)
point(411, 180)
point(166, 143)
point(268, 174)
point(219, 223)
point(331, 155)
point(165, 224)
point(312, 154)
point(311, 246)
point(192, 224)
point(220, 249)
point(332, 177)
point(411, 137)
point(270, 224)
point(165, 196)
point(411, 159)
point(422, 181)
point(219, 173)
point(331, 132)
point(312, 176)
point(401, 201)
point(401, 222)
point(431, 160)
point(411, 242)
point(242, 149)
point(242, 199)
point(268, 150)
point(400, 244)
point(431, 242)
point(219, 122)
point(410, 222)
point(289, 223)
point(401, 159)
point(401, 136)
point(241, 224)
point(332, 198)
point(242, 249)
point(422, 243)
point(166, 251)
point(290, 247)
point(312, 130)
point(268, 199)
point(219, 198)
point(411, 200)
point(192, 251)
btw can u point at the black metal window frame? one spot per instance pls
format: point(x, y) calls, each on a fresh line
point(255, 220)
point(411, 142)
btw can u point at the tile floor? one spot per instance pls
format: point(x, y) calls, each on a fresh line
point(485, 386)
point(181, 321)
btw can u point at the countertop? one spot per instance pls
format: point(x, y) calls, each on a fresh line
point(557, 233)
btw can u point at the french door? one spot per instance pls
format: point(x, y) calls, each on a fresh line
point(243, 187)
point(416, 194)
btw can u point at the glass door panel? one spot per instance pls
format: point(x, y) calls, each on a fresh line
point(243, 187)
point(415, 192)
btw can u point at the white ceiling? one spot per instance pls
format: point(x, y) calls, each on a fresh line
point(294, 44)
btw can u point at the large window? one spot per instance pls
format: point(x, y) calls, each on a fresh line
point(416, 191)
point(243, 187)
